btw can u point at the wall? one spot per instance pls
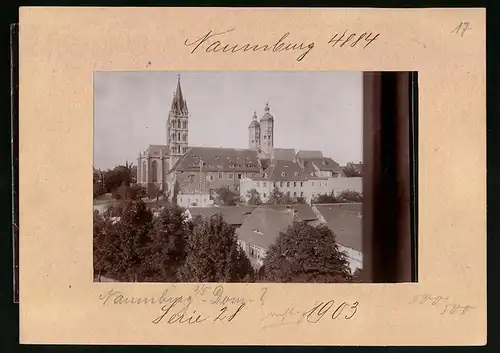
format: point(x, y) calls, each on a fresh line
point(210, 180)
point(264, 188)
point(255, 254)
point(199, 200)
point(354, 257)
point(342, 184)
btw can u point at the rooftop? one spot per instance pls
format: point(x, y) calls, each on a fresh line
point(346, 221)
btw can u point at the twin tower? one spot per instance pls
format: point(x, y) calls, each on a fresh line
point(261, 134)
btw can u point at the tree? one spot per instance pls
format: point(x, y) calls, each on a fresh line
point(227, 197)
point(165, 252)
point(277, 197)
point(325, 198)
point(348, 196)
point(351, 171)
point(253, 197)
point(136, 192)
point(213, 254)
point(357, 276)
point(120, 242)
point(304, 253)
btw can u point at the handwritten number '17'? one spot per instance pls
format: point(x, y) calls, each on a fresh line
point(461, 28)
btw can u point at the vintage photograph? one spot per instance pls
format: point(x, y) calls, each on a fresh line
point(228, 177)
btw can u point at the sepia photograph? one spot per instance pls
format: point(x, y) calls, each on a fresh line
point(232, 177)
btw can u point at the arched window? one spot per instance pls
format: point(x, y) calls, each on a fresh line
point(154, 170)
point(179, 149)
point(144, 176)
point(178, 124)
point(184, 137)
point(178, 136)
point(174, 123)
point(185, 125)
point(173, 136)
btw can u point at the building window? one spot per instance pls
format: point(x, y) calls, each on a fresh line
point(254, 175)
point(294, 194)
point(294, 184)
point(144, 178)
point(301, 194)
point(181, 199)
point(237, 187)
point(274, 184)
point(313, 183)
point(154, 170)
point(184, 137)
point(288, 193)
point(283, 174)
point(287, 184)
point(295, 174)
point(185, 124)
point(281, 184)
point(239, 175)
point(211, 178)
point(265, 195)
point(230, 175)
point(265, 184)
point(191, 178)
point(301, 184)
point(178, 124)
point(266, 175)
point(220, 175)
point(178, 136)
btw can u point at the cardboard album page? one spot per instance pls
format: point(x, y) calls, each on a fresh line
point(229, 197)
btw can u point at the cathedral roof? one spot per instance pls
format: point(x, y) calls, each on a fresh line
point(216, 159)
point(179, 105)
point(267, 115)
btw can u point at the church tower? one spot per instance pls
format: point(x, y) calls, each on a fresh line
point(254, 133)
point(267, 131)
point(177, 125)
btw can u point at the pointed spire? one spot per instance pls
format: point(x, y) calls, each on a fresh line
point(178, 102)
point(266, 109)
point(254, 114)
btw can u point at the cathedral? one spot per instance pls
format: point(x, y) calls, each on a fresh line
point(201, 169)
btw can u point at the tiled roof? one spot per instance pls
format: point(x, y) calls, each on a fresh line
point(309, 154)
point(232, 215)
point(264, 225)
point(282, 154)
point(345, 220)
point(326, 164)
point(303, 211)
point(218, 159)
point(285, 171)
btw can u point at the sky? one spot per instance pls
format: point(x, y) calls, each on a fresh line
point(312, 110)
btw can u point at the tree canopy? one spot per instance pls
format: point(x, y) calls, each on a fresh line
point(253, 197)
point(227, 197)
point(304, 253)
point(346, 196)
point(133, 244)
point(213, 254)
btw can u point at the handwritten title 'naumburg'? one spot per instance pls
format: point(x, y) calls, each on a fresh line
point(216, 42)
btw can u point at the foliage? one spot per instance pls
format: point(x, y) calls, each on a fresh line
point(357, 276)
point(213, 254)
point(277, 197)
point(120, 244)
point(132, 244)
point(305, 254)
point(253, 197)
point(166, 249)
point(227, 197)
point(136, 192)
point(346, 196)
point(350, 171)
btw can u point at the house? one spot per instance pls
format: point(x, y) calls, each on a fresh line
point(345, 220)
point(261, 229)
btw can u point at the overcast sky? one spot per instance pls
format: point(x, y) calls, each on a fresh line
point(312, 110)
